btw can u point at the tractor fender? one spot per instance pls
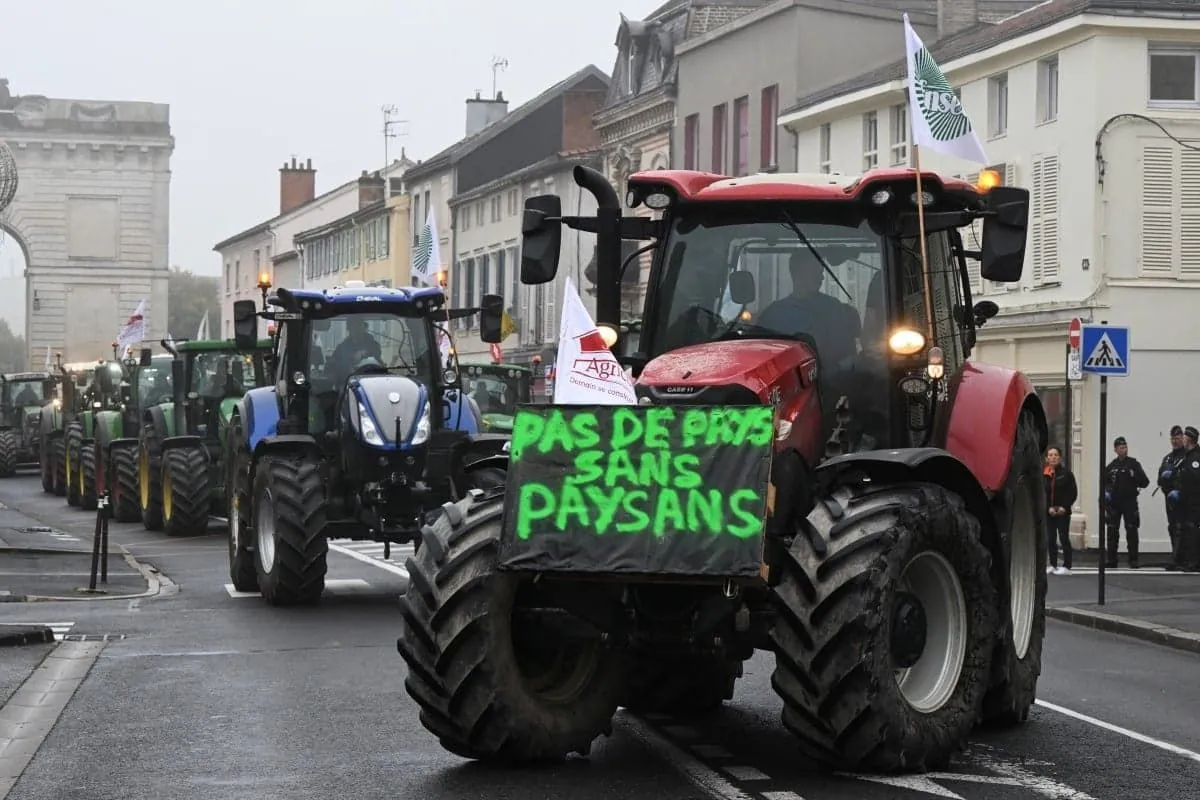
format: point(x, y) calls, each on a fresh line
point(982, 429)
point(472, 462)
point(456, 413)
point(120, 441)
point(293, 444)
point(175, 442)
point(107, 428)
point(51, 422)
point(160, 418)
point(925, 464)
point(259, 411)
point(87, 421)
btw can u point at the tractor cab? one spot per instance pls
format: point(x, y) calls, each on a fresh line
point(22, 396)
point(212, 377)
point(497, 389)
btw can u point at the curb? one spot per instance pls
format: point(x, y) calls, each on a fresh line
point(34, 634)
point(156, 583)
point(45, 551)
point(1135, 628)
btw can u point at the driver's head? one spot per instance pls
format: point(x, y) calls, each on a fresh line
point(807, 273)
point(357, 328)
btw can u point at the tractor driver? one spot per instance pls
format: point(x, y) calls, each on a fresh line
point(26, 397)
point(357, 345)
point(834, 325)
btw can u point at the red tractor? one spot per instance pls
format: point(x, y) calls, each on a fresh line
point(899, 574)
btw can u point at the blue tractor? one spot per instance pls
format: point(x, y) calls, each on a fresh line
point(365, 431)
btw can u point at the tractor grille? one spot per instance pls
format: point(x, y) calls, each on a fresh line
point(682, 394)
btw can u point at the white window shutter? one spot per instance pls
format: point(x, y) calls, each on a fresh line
point(1049, 219)
point(1189, 214)
point(1158, 210)
point(1037, 194)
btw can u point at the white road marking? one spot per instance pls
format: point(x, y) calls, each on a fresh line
point(914, 783)
point(335, 583)
point(1047, 787)
point(781, 796)
point(706, 779)
point(395, 569)
point(746, 774)
point(1122, 571)
point(1108, 726)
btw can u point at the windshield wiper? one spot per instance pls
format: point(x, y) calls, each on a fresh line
point(787, 218)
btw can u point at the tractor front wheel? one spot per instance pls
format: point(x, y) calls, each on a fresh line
point(185, 492)
point(87, 477)
point(123, 483)
point(883, 644)
point(58, 460)
point(489, 687)
point(289, 523)
point(74, 446)
point(150, 478)
point(47, 465)
point(237, 469)
point(9, 445)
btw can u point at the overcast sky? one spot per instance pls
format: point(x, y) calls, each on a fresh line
point(251, 84)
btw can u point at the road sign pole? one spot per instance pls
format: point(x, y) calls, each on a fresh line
point(1069, 444)
point(1101, 527)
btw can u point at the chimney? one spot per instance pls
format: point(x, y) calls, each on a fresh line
point(372, 188)
point(481, 112)
point(297, 185)
point(954, 16)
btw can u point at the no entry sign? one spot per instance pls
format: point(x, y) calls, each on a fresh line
point(1075, 334)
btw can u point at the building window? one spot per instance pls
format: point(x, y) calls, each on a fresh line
point(998, 105)
point(1174, 76)
point(741, 136)
point(417, 222)
point(826, 147)
point(768, 147)
point(465, 213)
point(501, 288)
point(1054, 402)
point(421, 221)
point(691, 142)
point(237, 274)
point(870, 140)
point(512, 202)
point(228, 278)
point(469, 287)
point(899, 147)
point(1048, 89)
point(479, 213)
point(719, 123)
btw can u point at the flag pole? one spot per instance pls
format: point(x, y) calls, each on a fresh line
point(916, 152)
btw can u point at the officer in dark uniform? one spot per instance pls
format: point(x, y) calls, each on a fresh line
point(1185, 492)
point(1123, 477)
point(1166, 474)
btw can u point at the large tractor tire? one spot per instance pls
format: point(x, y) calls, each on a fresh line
point(74, 439)
point(10, 445)
point(87, 477)
point(123, 484)
point(237, 471)
point(47, 465)
point(289, 525)
point(58, 457)
point(185, 492)
point(1018, 661)
point(487, 689)
point(883, 644)
point(150, 478)
point(682, 685)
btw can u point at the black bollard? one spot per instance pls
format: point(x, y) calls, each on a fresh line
point(96, 535)
point(102, 510)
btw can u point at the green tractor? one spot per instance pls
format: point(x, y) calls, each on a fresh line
point(74, 381)
point(497, 389)
point(21, 397)
point(107, 392)
point(181, 469)
point(113, 461)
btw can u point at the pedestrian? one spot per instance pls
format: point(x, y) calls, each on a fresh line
point(1185, 492)
point(1123, 479)
point(1061, 493)
point(1166, 472)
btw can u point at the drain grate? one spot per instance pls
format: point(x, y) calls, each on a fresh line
point(93, 637)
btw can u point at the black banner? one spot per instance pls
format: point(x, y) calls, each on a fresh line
point(638, 490)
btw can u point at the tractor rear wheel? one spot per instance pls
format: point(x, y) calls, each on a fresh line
point(237, 470)
point(883, 644)
point(289, 524)
point(681, 685)
point(74, 445)
point(185, 492)
point(150, 478)
point(9, 445)
point(58, 458)
point(487, 691)
point(123, 483)
point(46, 464)
point(1018, 661)
point(87, 477)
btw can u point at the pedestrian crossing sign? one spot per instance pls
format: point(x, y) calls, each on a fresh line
point(1105, 350)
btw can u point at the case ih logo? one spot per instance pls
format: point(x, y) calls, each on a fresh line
point(601, 366)
point(679, 390)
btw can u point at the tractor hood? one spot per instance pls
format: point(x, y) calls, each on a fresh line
point(757, 364)
point(379, 402)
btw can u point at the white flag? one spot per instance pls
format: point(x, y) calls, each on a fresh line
point(202, 331)
point(586, 372)
point(135, 329)
point(427, 258)
point(939, 122)
point(49, 360)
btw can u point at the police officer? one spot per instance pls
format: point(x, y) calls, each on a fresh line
point(1166, 473)
point(1123, 477)
point(1185, 492)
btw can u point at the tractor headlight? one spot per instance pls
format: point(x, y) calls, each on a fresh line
point(937, 363)
point(370, 433)
point(906, 342)
point(423, 426)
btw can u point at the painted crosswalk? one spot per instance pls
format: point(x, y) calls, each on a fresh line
point(60, 629)
point(1127, 571)
point(365, 552)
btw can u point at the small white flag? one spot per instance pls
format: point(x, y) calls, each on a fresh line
point(135, 329)
point(49, 360)
point(202, 331)
point(427, 257)
point(586, 372)
point(939, 122)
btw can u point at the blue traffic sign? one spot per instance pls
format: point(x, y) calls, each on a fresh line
point(1104, 350)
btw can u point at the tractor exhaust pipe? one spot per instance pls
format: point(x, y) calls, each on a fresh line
point(608, 244)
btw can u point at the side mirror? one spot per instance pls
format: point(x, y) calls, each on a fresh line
point(144, 357)
point(541, 239)
point(1004, 233)
point(245, 324)
point(742, 289)
point(984, 310)
point(491, 318)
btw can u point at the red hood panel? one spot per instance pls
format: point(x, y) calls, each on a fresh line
point(756, 364)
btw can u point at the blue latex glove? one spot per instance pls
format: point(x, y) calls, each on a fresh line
point(1166, 474)
point(1108, 497)
point(1173, 495)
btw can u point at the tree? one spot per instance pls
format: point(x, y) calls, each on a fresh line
point(188, 296)
point(13, 357)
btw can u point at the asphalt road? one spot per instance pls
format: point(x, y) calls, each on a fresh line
point(201, 694)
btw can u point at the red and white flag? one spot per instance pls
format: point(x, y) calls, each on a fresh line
point(586, 372)
point(135, 329)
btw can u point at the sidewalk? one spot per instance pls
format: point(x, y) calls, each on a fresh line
point(1147, 603)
